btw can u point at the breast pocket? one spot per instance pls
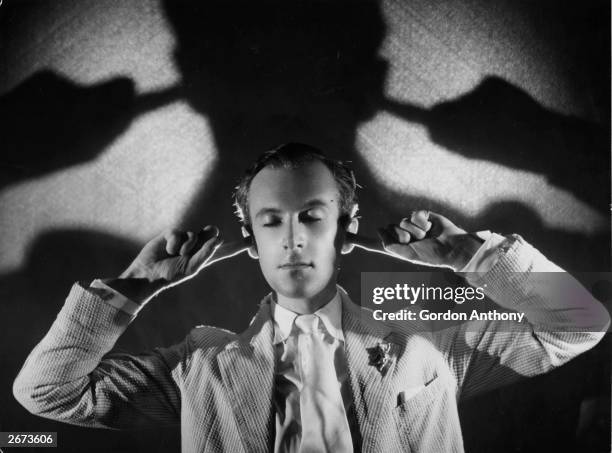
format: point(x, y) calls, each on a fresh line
point(427, 417)
point(418, 396)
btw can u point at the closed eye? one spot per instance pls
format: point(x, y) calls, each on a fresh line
point(309, 219)
point(312, 215)
point(271, 222)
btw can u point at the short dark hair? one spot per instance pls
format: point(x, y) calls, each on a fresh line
point(292, 156)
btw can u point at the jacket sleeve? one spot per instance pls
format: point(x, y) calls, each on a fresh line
point(562, 320)
point(70, 377)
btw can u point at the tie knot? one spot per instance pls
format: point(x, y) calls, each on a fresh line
point(306, 323)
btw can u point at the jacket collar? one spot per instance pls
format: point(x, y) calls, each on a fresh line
point(330, 315)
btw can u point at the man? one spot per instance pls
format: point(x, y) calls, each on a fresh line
point(313, 372)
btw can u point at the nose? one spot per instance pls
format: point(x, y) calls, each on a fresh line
point(293, 236)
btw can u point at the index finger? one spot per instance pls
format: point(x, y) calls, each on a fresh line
point(229, 249)
point(366, 243)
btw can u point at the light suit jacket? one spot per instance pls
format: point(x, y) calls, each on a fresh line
point(219, 386)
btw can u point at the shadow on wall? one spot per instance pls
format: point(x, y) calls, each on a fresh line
point(262, 74)
point(502, 123)
point(48, 122)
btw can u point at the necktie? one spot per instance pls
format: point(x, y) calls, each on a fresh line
point(324, 424)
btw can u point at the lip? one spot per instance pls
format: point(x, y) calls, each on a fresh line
point(298, 265)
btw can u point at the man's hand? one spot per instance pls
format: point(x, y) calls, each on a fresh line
point(430, 239)
point(423, 238)
point(174, 256)
point(171, 258)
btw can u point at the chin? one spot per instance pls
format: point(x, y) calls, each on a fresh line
point(298, 289)
point(295, 291)
point(299, 285)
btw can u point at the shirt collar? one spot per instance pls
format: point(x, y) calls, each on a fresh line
point(330, 314)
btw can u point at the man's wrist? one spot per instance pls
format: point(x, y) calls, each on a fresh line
point(138, 290)
point(464, 250)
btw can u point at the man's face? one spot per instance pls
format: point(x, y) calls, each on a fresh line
point(294, 216)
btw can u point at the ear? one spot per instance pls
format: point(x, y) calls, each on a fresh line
point(352, 226)
point(247, 233)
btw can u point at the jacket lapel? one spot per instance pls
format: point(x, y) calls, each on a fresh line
point(369, 385)
point(247, 370)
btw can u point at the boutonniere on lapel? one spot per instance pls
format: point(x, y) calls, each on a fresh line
point(380, 357)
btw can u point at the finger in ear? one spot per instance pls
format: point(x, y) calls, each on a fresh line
point(347, 245)
point(205, 251)
point(351, 225)
point(347, 248)
point(252, 251)
point(247, 233)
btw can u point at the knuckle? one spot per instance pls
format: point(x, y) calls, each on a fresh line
point(403, 236)
point(420, 234)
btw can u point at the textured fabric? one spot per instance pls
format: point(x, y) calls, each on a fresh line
point(219, 385)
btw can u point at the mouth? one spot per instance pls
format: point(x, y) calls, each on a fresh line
point(295, 265)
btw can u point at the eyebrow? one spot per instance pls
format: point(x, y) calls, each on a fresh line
point(314, 203)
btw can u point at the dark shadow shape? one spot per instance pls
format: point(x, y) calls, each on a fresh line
point(48, 122)
point(270, 72)
point(502, 123)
